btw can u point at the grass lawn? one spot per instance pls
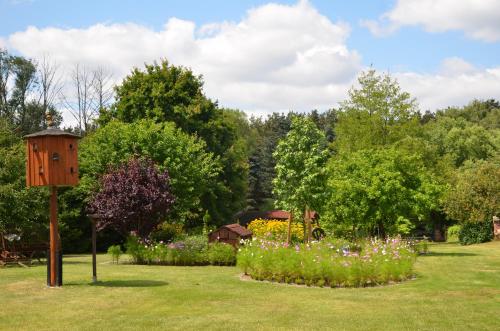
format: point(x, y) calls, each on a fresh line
point(457, 288)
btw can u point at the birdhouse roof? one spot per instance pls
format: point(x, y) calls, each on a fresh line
point(52, 132)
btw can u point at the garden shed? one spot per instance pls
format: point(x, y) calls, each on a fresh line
point(229, 234)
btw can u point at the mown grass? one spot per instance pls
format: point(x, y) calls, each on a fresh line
point(457, 288)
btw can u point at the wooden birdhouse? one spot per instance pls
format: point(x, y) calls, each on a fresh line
point(52, 158)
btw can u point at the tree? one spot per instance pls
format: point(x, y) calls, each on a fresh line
point(22, 210)
point(485, 113)
point(25, 94)
point(262, 162)
point(191, 169)
point(475, 193)
point(163, 92)
point(50, 83)
point(301, 157)
point(102, 88)
point(135, 196)
point(461, 140)
point(380, 192)
point(376, 114)
point(81, 103)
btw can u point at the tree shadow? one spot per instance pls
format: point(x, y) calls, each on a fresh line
point(447, 254)
point(130, 283)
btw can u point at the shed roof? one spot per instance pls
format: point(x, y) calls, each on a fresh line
point(51, 132)
point(236, 228)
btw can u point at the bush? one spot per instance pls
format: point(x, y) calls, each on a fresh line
point(221, 254)
point(328, 263)
point(193, 250)
point(115, 251)
point(475, 233)
point(167, 232)
point(276, 229)
point(453, 232)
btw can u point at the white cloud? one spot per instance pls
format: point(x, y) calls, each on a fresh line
point(478, 19)
point(456, 83)
point(276, 58)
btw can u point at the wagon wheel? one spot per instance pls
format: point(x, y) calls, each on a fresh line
point(318, 233)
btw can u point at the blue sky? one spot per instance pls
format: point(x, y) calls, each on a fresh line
point(410, 49)
point(416, 46)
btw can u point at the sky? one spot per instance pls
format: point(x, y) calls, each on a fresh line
point(261, 56)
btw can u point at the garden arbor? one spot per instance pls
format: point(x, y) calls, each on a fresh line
point(52, 160)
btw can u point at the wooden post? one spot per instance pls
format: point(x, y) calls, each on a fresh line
point(308, 224)
point(289, 234)
point(94, 249)
point(54, 236)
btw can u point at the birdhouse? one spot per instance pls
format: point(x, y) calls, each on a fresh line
point(52, 158)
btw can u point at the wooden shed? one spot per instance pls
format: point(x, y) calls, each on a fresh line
point(230, 234)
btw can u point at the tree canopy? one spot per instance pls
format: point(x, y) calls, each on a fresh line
point(300, 167)
point(135, 196)
point(191, 169)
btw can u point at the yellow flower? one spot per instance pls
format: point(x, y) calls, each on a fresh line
point(275, 229)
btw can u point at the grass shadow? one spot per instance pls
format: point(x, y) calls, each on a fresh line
point(130, 283)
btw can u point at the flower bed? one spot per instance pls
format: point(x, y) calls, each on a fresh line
point(276, 229)
point(191, 251)
point(328, 263)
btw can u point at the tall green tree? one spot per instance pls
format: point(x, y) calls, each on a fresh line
point(166, 93)
point(300, 168)
point(380, 192)
point(376, 114)
point(262, 162)
point(475, 192)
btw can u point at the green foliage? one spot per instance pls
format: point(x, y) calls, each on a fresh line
point(115, 251)
point(167, 93)
point(485, 113)
point(376, 114)
point(20, 104)
point(460, 140)
point(262, 162)
point(453, 233)
point(192, 250)
point(22, 210)
point(475, 233)
point(167, 232)
point(300, 168)
point(475, 193)
point(221, 254)
point(380, 192)
point(191, 169)
point(328, 263)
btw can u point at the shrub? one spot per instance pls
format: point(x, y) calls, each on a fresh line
point(115, 251)
point(167, 232)
point(190, 251)
point(221, 254)
point(193, 250)
point(475, 233)
point(276, 229)
point(453, 232)
point(328, 263)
